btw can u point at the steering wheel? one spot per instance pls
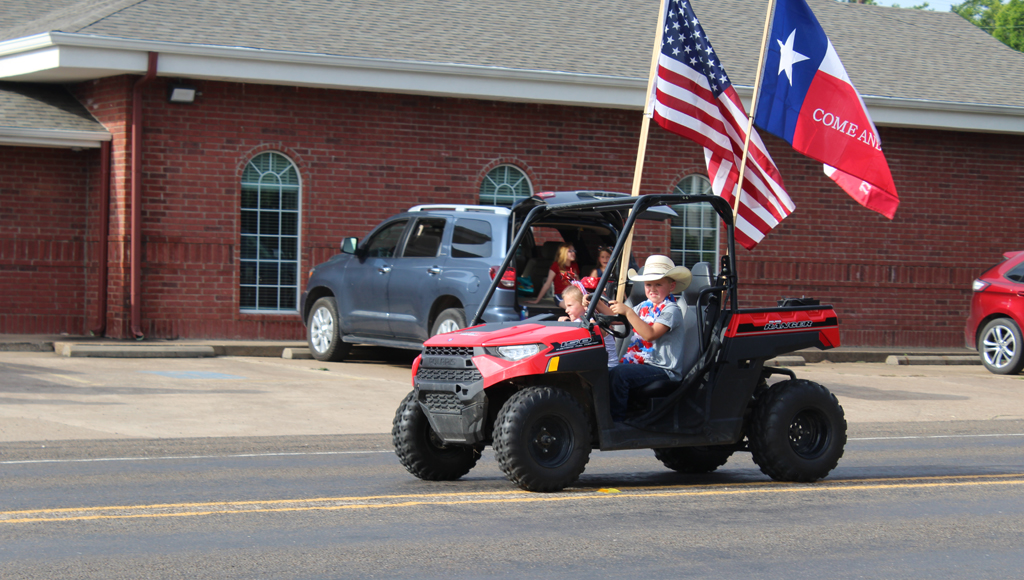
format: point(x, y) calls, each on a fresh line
point(605, 322)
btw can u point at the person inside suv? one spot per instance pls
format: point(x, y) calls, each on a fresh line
point(564, 270)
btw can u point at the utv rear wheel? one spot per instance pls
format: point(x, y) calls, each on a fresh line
point(542, 439)
point(422, 452)
point(694, 459)
point(1002, 347)
point(323, 333)
point(797, 432)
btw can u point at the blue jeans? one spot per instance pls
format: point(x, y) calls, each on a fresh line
point(626, 377)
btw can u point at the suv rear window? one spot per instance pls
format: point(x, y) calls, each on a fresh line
point(471, 239)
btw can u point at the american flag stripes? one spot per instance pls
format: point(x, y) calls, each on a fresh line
point(694, 99)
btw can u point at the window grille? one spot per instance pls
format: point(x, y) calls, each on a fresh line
point(695, 229)
point(269, 265)
point(504, 185)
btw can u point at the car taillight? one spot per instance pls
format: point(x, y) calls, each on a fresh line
point(977, 286)
point(508, 279)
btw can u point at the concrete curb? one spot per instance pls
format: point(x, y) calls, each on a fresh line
point(133, 351)
point(932, 360)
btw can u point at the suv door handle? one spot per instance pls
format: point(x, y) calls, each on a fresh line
point(1020, 293)
point(384, 269)
point(434, 270)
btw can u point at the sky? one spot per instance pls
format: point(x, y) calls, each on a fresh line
point(936, 5)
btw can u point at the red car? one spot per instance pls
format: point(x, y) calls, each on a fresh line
point(997, 315)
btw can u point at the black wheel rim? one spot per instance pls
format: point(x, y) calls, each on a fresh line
point(550, 441)
point(809, 433)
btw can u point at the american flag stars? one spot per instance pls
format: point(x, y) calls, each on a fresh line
point(684, 40)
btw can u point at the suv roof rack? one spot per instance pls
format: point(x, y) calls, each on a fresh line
point(497, 210)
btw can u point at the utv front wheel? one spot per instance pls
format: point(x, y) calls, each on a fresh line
point(542, 439)
point(694, 459)
point(797, 432)
point(422, 452)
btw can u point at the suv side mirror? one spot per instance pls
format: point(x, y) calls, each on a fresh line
point(349, 245)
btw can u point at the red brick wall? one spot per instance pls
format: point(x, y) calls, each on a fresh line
point(365, 156)
point(44, 240)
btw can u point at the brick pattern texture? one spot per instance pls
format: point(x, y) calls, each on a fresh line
point(365, 156)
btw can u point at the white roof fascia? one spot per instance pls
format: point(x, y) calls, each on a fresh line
point(62, 57)
point(20, 137)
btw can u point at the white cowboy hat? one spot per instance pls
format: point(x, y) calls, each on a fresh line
point(657, 267)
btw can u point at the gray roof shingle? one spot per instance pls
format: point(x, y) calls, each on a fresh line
point(43, 107)
point(888, 52)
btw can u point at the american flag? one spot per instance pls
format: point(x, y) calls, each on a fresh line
point(694, 98)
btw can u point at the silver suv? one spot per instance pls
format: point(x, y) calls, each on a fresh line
point(420, 272)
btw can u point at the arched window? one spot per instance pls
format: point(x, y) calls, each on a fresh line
point(695, 230)
point(505, 185)
point(269, 265)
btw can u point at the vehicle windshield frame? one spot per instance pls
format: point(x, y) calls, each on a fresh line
point(635, 206)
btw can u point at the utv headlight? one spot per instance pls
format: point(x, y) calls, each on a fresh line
point(516, 352)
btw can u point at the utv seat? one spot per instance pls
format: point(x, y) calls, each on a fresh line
point(537, 267)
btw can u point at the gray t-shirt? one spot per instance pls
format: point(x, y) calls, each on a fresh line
point(665, 352)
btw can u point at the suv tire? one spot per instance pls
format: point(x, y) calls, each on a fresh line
point(449, 320)
point(323, 334)
point(542, 439)
point(1001, 347)
point(797, 431)
point(422, 452)
point(694, 459)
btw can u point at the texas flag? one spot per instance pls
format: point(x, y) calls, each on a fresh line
point(807, 99)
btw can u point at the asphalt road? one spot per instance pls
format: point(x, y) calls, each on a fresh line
point(937, 502)
point(255, 468)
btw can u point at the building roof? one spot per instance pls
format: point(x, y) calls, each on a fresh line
point(907, 64)
point(35, 114)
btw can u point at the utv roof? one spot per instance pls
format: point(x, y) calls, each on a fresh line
point(574, 204)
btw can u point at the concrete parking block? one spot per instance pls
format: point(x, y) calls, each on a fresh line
point(932, 360)
point(134, 351)
point(296, 353)
point(786, 361)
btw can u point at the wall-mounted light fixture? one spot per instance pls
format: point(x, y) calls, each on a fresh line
point(182, 94)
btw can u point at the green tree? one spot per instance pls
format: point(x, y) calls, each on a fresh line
point(1009, 25)
point(981, 13)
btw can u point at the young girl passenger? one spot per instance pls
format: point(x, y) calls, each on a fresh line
point(574, 310)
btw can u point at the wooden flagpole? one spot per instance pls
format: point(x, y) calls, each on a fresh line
point(642, 148)
point(750, 116)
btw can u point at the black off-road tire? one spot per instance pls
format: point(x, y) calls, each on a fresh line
point(323, 332)
point(422, 452)
point(694, 459)
point(1001, 347)
point(542, 439)
point(797, 431)
point(449, 318)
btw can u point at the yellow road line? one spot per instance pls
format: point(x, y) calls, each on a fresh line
point(496, 497)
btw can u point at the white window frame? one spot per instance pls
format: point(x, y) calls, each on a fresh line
point(503, 186)
point(270, 255)
point(694, 223)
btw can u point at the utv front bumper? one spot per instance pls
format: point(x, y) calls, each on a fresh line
point(450, 390)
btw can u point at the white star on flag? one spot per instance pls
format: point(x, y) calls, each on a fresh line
point(789, 56)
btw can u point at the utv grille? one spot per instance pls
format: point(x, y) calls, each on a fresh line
point(442, 402)
point(449, 375)
point(466, 351)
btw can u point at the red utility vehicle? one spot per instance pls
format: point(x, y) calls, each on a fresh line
point(537, 390)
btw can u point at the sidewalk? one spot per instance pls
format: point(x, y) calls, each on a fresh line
point(100, 347)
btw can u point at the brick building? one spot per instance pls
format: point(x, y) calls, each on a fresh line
point(353, 114)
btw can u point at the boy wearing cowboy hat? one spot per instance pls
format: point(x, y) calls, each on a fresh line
point(657, 342)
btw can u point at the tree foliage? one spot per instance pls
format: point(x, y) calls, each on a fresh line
point(1005, 22)
point(1009, 27)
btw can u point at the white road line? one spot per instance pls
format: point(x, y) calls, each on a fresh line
point(312, 453)
point(169, 457)
point(935, 437)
